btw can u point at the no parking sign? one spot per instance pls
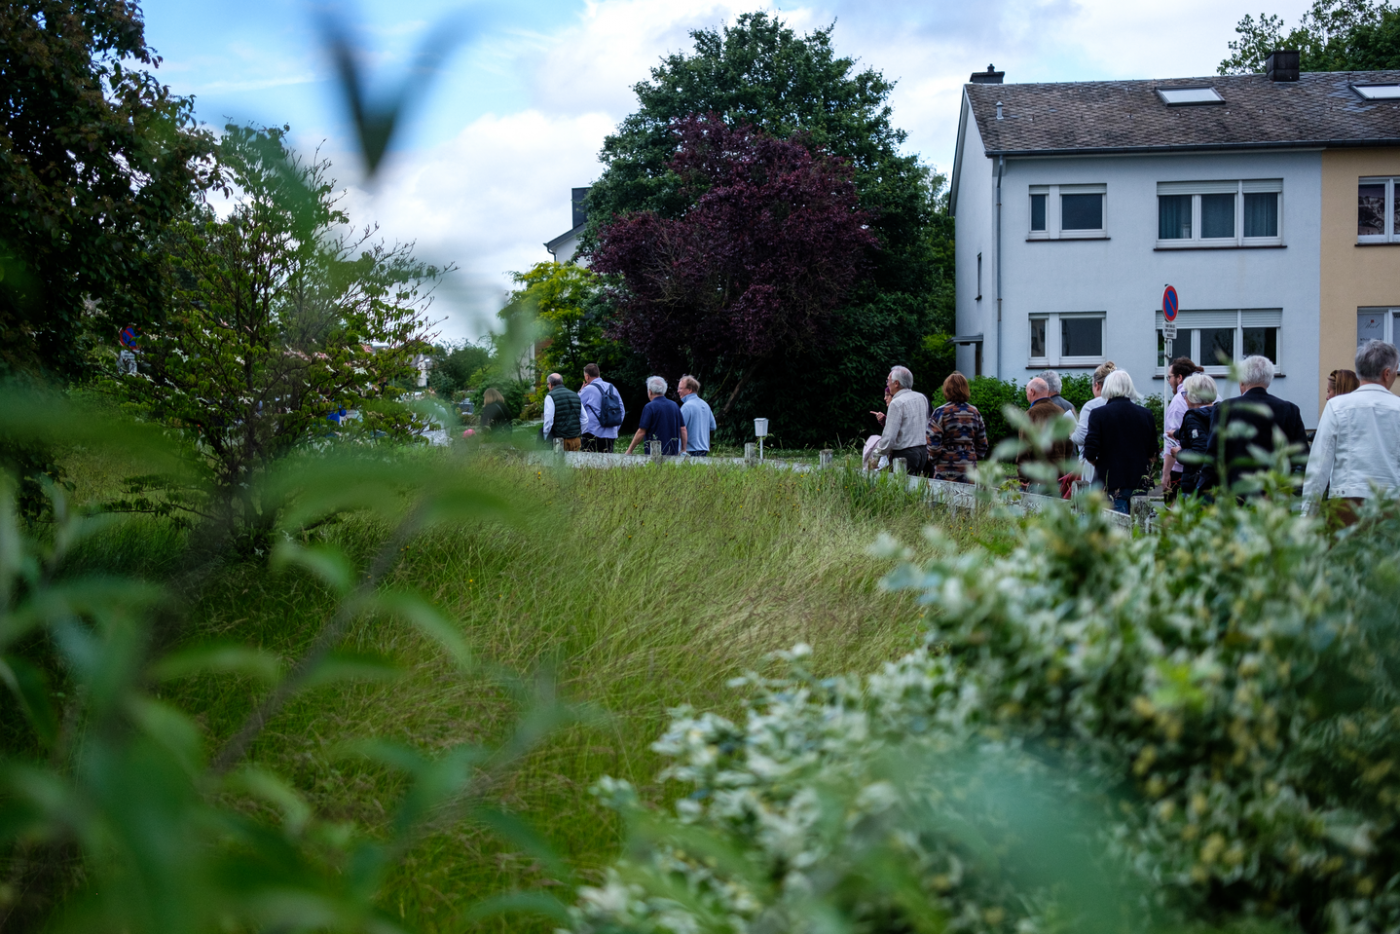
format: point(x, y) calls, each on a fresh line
point(1170, 304)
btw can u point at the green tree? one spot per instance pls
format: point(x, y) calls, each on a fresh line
point(278, 323)
point(564, 298)
point(96, 158)
point(761, 72)
point(1333, 35)
point(454, 365)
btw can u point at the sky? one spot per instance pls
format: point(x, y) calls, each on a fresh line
point(479, 176)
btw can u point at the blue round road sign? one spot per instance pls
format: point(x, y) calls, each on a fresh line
point(1170, 303)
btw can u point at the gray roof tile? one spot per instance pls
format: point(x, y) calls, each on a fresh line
point(1127, 116)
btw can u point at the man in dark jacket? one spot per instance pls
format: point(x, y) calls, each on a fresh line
point(1262, 412)
point(1122, 442)
point(563, 414)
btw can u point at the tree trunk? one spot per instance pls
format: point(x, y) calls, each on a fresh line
point(743, 381)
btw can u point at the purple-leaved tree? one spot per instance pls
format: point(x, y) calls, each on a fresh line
point(756, 268)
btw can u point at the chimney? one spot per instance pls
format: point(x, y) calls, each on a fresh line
point(1282, 65)
point(580, 207)
point(990, 76)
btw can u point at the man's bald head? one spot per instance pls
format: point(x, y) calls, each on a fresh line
point(1037, 389)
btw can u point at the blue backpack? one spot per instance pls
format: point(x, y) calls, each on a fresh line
point(610, 407)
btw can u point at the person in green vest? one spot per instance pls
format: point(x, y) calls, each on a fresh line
point(563, 414)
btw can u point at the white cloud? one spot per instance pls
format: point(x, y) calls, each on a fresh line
point(486, 200)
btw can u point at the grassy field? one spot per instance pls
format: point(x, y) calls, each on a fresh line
point(637, 589)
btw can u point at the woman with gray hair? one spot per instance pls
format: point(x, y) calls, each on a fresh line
point(1121, 442)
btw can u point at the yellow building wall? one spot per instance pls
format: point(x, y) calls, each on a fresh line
point(1352, 276)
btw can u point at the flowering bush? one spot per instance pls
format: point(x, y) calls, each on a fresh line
point(1221, 695)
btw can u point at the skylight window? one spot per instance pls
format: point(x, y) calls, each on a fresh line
point(1378, 92)
point(1177, 96)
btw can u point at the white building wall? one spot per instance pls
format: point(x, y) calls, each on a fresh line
point(974, 215)
point(1124, 274)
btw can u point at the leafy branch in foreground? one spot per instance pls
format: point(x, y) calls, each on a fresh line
point(112, 814)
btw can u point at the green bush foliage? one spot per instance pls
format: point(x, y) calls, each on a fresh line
point(1223, 693)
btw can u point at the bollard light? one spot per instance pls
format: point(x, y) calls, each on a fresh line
point(760, 428)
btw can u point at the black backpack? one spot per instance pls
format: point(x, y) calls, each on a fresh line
point(610, 407)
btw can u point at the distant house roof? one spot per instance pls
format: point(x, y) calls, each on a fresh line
point(1083, 117)
point(553, 245)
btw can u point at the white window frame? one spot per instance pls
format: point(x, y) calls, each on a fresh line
point(1391, 326)
point(1238, 319)
point(1390, 183)
point(1052, 229)
point(1239, 188)
point(1053, 358)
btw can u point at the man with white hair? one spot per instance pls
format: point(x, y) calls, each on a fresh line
point(562, 414)
point(906, 423)
point(1357, 447)
point(662, 426)
point(1052, 382)
point(1263, 414)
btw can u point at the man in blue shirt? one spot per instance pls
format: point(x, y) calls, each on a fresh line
point(695, 413)
point(661, 425)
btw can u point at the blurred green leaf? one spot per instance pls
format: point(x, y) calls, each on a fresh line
point(326, 563)
point(31, 690)
point(219, 658)
point(349, 666)
point(430, 621)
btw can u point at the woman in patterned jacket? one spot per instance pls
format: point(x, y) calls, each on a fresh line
point(957, 436)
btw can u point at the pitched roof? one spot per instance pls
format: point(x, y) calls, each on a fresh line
point(1319, 109)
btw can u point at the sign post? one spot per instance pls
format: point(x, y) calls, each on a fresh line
point(1171, 303)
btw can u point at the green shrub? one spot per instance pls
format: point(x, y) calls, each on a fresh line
point(1224, 690)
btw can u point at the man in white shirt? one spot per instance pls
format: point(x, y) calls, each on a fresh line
point(1356, 451)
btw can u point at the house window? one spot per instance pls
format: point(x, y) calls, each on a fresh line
point(1066, 212)
point(1214, 338)
point(1067, 339)
point(1377, 211)
point(1219, 214)
point(1376, 324)
point(1378, 92)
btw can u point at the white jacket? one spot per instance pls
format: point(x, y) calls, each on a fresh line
point(1357, 445)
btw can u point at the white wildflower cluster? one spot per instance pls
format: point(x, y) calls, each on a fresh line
point(1218, 698)
point(863, 797)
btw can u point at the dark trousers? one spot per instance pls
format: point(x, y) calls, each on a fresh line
point(914, 458)
point(698, 453)
point(596, 445)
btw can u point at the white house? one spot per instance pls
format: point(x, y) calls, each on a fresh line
point(1077, 203)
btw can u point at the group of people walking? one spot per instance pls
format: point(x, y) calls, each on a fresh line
point(591, 418)
point(1114, 439)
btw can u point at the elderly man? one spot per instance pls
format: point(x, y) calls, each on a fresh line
point(1052, 381)
point(563, 414)
point(1263, 414)
point(906, 423)
point(1043, 410)
point(662, 426)
point(1357, 447)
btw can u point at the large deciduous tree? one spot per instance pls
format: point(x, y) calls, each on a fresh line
point(97, 158)
point(1333, 35)
point(759, 72)
point(757, 266)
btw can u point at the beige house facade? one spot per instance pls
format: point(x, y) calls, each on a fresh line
point(1360, 257)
